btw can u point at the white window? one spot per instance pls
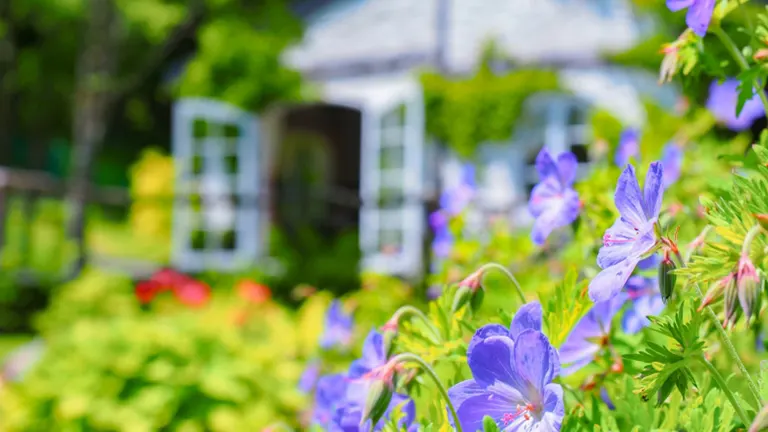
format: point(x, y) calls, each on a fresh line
point(216, 210)
point(392, 214)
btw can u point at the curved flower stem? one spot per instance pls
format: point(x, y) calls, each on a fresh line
point(507, 273)
point(726, 341)
point(406, 310)
point(724, 387)
point(410, 357)
point(730, 45)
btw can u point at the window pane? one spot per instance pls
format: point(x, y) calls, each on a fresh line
point(231, 130)
point(392, 136)
point(391, 158)
point(390, 241)
point(396, 117)
point(200, 128)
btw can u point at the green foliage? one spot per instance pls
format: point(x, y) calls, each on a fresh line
point(565, 307)
point(732, 212)
point(467, 112)
point(184, 371)
point(95, 295)
point(665, 367)
point(241, 64)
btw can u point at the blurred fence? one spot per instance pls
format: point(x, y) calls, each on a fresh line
point(33, 220)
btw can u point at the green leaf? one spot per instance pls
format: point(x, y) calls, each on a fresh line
point(566, 307)
point(489, 424)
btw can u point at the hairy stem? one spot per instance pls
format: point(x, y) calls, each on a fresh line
point(407, 310)
point(724, 387)
point(730, 45)
point(413, 358)
point(753, 389)
point(507, 273)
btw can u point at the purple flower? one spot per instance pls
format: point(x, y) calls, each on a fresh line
point(454, 200)
point(632, 235)
point(373, 356)
point(512, 372)
point(438, 220)
point(309, 376)
point(553, 201)
point(629, 147)
point(607, 399)
point(699, 13)
point(645, 301)
point(672, 162)
point(434, 291)
point(371, 366)
point(348, 417)
point(649, 263)
point(442, 243)
point(330, 396)
point(338, 327)
point(589, 335)
point(528, 317)
point(722, 103)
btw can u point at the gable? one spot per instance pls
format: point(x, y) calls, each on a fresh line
point(365, 36)
point(536, 31)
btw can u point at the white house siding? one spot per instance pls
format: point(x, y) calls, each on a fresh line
point(539, 30)
point(371, 30)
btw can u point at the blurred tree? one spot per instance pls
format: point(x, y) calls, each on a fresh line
point(71, 67)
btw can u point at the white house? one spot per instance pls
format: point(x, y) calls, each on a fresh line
point(364, 141)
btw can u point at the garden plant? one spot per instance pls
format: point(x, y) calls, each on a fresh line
point(633, 302)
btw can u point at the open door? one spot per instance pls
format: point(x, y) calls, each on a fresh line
point(217, 217)
point(392, 214)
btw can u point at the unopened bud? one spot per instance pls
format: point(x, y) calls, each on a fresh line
point(748, 283)
point(389, 337)
point(761, 54)
point(477, 299)
point(715, 292)
point(667, 278)
point(730, 299)
point(379, 397)
point(462, 297)
point(762, 219)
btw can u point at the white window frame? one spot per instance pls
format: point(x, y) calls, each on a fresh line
point(244, 183)
point(407, 216)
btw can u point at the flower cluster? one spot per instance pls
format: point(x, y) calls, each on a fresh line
point(187, 290)
point(512, 372)
point(632, 237)
point(722, 102)
point(554, 204)
point(338, 327)
point(341, 399)
point(452, 202)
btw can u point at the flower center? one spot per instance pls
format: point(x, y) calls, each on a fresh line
point(524, 411)
point(609, 240)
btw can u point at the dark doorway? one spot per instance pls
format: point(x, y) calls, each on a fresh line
point(318, 176)
point(316, 190)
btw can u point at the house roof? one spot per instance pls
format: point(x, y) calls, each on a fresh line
point(362, 36)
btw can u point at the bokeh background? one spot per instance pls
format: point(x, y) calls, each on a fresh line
point(186, 185)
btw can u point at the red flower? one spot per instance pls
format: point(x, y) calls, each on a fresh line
point(169, 278)
point(147, 290)
point(253, 292)
point(192, 293)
